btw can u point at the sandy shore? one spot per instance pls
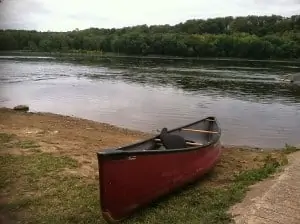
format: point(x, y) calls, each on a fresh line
point(81, 138)
point(65, 135)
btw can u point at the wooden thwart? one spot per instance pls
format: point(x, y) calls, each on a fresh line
point(188, 143)
point(201, 131)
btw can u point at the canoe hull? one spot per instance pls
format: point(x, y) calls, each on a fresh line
point(130, 181)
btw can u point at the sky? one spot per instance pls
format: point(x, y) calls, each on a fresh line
point(65, 15)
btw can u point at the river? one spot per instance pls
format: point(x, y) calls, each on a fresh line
point(252, 106)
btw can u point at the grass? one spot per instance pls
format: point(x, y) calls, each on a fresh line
point(290, 149)
point(28, 144)
point(37, 189)
point(37, 192)
point(11, 141)
point(5, 138)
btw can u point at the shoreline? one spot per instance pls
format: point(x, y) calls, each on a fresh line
point(53, 158)
point(63, 122)
point(109, 55)
point(135, 133)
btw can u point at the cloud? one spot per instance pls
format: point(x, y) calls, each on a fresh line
point(62, 15)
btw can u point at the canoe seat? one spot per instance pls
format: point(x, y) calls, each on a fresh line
point(171, 141)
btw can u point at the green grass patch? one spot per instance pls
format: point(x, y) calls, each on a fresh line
point(290, 149)
point(28, 144)
point(270, 166)
point(8, 140)
point(5, 137)
point(39, 191)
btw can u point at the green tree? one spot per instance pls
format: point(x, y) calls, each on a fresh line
point(260, 37)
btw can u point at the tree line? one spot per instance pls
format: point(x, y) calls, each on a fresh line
point(257, 37)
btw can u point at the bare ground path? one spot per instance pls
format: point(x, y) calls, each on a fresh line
point(275, 201)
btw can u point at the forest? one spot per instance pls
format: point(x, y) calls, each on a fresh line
point(253, 37)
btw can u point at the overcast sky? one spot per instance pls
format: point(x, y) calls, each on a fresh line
point(63, 15)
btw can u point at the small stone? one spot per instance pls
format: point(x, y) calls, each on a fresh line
point(21, 108)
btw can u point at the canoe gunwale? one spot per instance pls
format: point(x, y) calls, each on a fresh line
point(123, 168)
point(119, 152)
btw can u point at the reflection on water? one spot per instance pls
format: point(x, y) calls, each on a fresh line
point(244, 83)
point(253, 107)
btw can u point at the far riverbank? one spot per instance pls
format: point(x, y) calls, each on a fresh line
point(100, 56)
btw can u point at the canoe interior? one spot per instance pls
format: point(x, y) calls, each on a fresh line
point(207, 124)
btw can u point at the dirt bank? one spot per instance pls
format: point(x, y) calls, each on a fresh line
point(65, 135)
point(81, 138)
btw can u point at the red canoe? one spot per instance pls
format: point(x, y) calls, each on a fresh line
point(135, 175)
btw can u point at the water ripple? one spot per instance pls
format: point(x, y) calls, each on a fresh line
point(253, 106)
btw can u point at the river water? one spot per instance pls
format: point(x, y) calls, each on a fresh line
point(253, 107)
